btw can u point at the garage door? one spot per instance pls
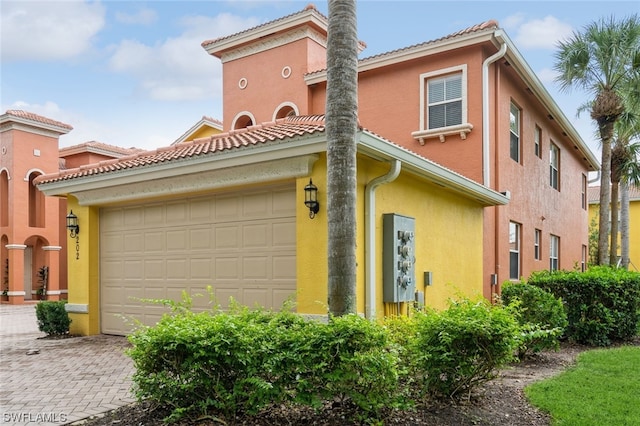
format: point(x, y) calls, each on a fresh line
point(240, 244)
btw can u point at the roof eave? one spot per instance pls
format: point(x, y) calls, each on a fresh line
point(298, 146)
point(8, 119)
point(308, 16)
point(375, 147)
point(535, 85)
point(415, 52)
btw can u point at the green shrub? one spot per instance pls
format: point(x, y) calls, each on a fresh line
point(52, 318)
point(352, 359)
point(241, 362)
point(541, 317)
point(461, 347)
point(602, 303)
point(200, 362)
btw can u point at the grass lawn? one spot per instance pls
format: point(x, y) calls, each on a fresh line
point(602, 389)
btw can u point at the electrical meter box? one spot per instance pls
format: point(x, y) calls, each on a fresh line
point(398, 267)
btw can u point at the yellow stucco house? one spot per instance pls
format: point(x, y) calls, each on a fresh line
point(229, 211)
point(634, 221)
point(206, 126)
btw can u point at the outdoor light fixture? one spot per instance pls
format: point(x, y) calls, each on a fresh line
point(311, 199)
point(72, 225)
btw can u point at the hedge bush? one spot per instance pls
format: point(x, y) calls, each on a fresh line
point(52, 317)
point(461, 347)
point(602, 303)
point(240, 362)
point(541, 316)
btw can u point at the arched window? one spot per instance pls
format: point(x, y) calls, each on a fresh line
point(4, 198)
point(36, 203)
point(284, 110)
point(242, 121)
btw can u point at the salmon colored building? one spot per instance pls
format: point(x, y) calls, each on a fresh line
point(32, 226)
point(468, 101)
point(468, 175)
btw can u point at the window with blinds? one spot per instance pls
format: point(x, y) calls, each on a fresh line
point(444, 99)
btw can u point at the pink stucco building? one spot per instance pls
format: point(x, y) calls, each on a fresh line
point(33, 237)
point(468, 101)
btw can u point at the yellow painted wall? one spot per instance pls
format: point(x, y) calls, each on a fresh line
point(448, 244)
point(83, 270)
point(448, 239)
point(203, 132)
point(634, 235)
point(634, 231)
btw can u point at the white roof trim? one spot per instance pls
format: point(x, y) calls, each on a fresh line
point(158, 179)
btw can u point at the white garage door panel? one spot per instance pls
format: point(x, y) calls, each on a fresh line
point(243, 245)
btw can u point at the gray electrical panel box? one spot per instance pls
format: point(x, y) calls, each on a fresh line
point(398, 267)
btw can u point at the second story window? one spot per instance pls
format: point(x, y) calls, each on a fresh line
point(537, 140)
point(443, 105)
point(445, 101)
point(554, 166)
point(584, 192)
point(514, 130)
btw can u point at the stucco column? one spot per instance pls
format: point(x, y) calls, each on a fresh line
point(52, 256)
point(16, 273)
point(83, 271)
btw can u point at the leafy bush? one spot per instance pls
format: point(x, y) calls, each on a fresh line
point(52, 318)
point(461, 347)
point(602, 303)
point(541, 317)
point(243, 361)
point(352, 359)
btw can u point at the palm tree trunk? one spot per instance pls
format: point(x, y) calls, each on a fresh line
point(615, 224)
point(606, 134)
point(624, 224)
point(341, 129)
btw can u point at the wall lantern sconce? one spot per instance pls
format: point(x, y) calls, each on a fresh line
point(311, 199)
point(74, 230)
point(72, 224)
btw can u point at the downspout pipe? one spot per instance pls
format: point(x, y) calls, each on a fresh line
point(370, 236)
point(485, 109)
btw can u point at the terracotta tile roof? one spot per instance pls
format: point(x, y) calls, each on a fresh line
point(593, 194)
point(211, 119)
point(271, 132)
point(95, 146)
point(17, 113)
point(284, 18)
point(490, 24)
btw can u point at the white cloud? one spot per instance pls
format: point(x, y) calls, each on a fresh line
point(542, 33)
point(144, 16)
point(512, 21)
point(48, 30)
point(178, 68)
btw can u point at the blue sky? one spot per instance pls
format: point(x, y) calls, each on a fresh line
point(133, 73)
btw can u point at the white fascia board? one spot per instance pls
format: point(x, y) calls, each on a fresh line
point(9, 118)
point(535, 85)
point(239, 39)
point(409, 53)
point(380, 149)
point(308, 144)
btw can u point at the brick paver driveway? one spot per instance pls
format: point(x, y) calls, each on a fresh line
point(66, 380)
